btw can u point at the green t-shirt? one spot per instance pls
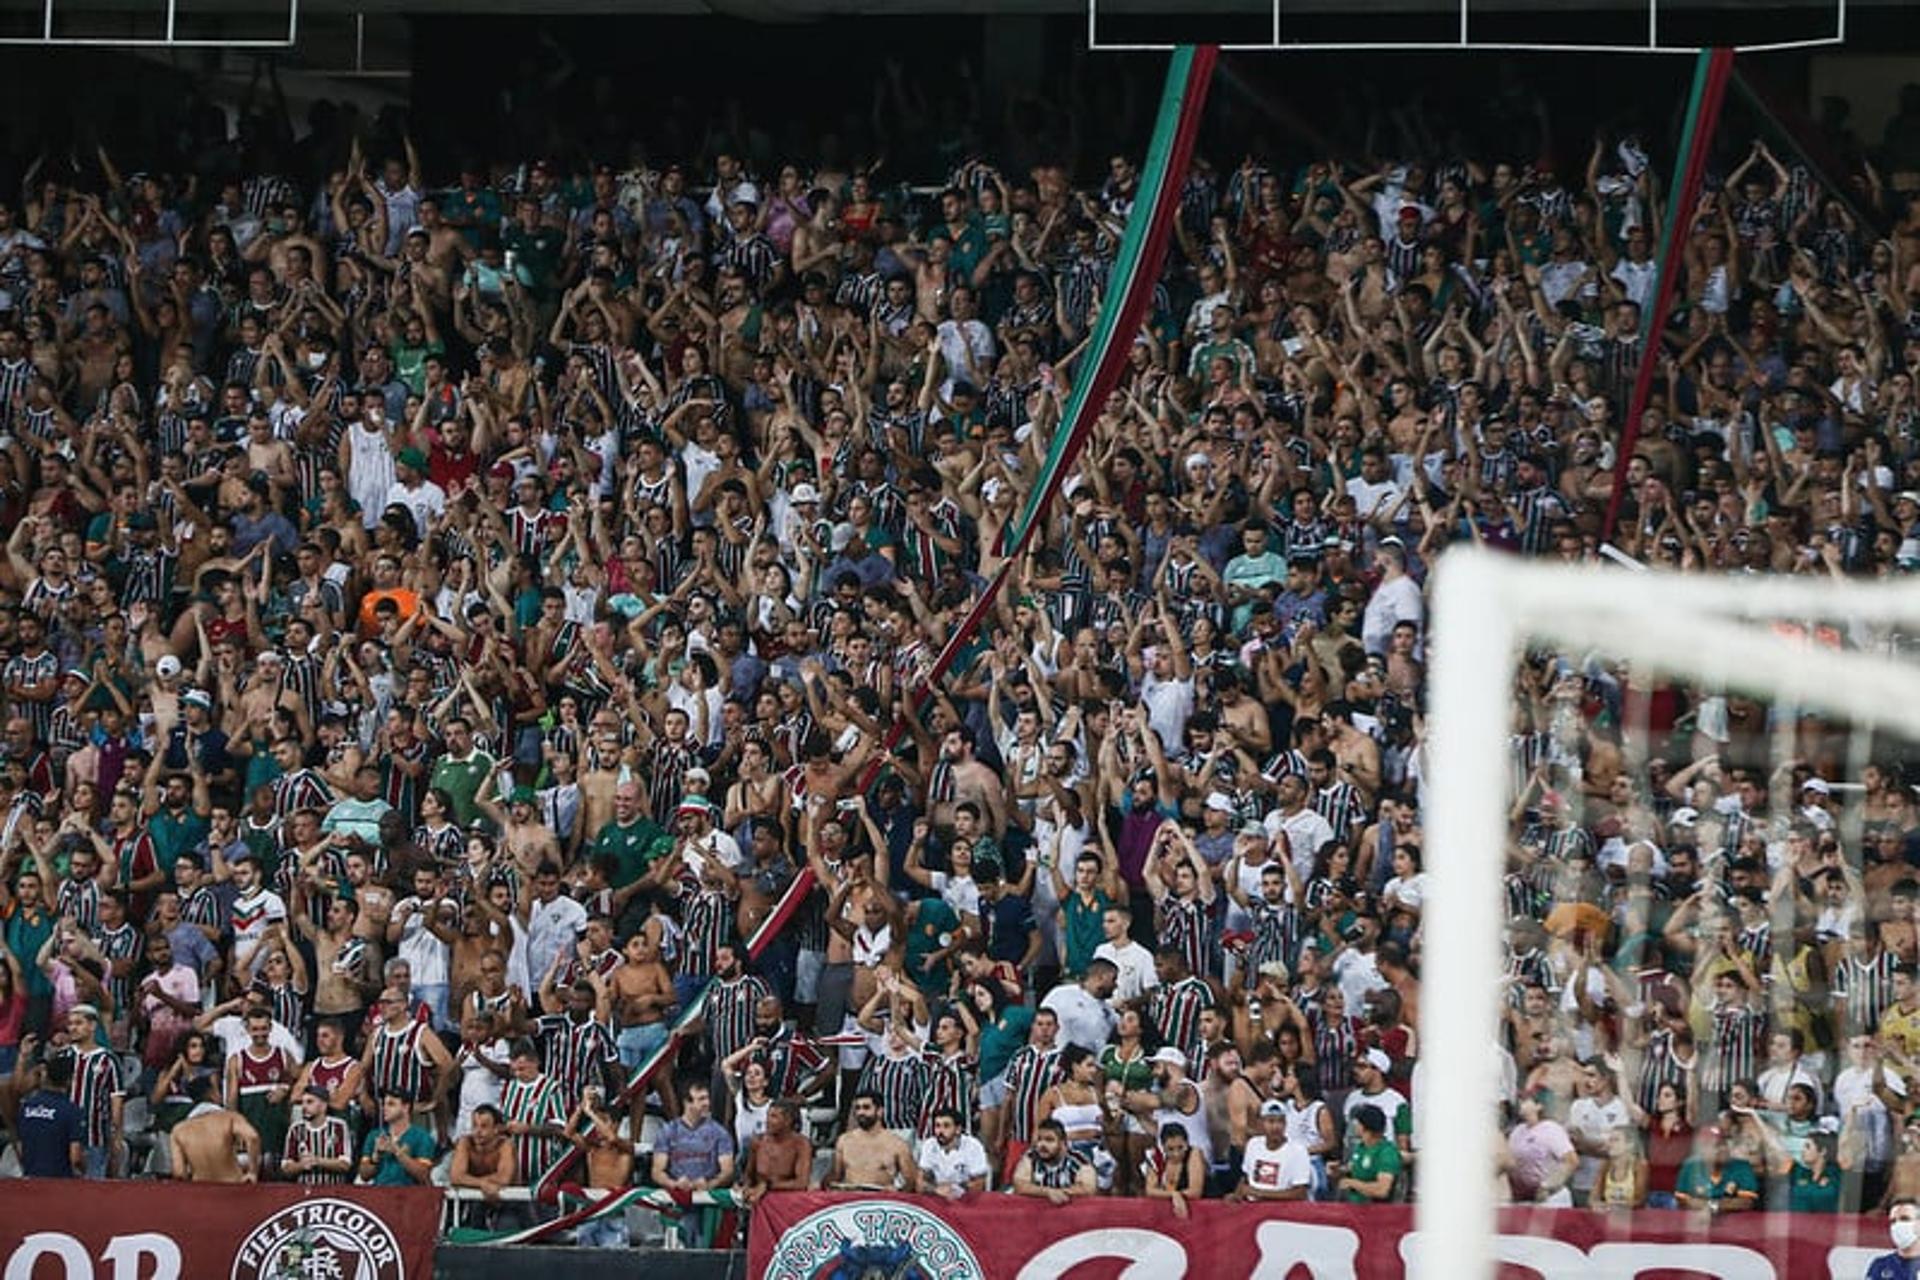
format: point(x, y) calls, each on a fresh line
point(174, 835)
point(1370, 1160)
point(410, 363)
point(1805, 1195)
point(1002, 1038)
point(387, 1169)
point(634, 847)
point(461, 779)
point(934, 927)
point(1083, 932)
point(1695, 1182)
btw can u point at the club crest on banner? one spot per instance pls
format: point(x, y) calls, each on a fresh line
point(872, 1240)
point(323, 1239)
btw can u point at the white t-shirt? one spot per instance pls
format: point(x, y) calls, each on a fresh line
point(1395, 602)
point(953, 1168)
point(1084, 1020)
point(1169, 703)
point(252, 915)
point(1369, 499)
point(1268, 1168)
point(231, 1031)
point(958, 892)
point(1593, 1121)
point(420, 947)
point(478, 1085)
point(1306, 831)
point(1135, 964)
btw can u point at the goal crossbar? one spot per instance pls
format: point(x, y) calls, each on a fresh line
point(1486, 607)
point(1463, 39)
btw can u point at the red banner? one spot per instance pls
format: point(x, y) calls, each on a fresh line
point(59, 1230)
point(816, 1236)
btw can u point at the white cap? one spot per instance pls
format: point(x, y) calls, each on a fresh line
point(1683, 817)
point(1219, 802)
point(167, 668)
point(1168, 1055)
point(1378, 1060)
point(804, 492)
point(1817, 784)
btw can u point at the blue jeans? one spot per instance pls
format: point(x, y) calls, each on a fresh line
point(637, 1044)
point(609, 1232)
point(97, 1161)
point(1661, 1200)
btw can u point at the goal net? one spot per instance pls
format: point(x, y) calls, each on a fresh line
point(1667, 838)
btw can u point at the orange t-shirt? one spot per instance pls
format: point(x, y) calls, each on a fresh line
point(407, 600)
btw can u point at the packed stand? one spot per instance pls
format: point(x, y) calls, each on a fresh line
point(444, 622)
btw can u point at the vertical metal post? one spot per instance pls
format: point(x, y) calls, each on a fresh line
point(1464, 41)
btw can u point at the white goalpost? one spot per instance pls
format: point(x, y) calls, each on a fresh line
point(1487, 607)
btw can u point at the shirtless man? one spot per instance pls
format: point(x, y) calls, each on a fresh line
point(523, 834)
point(1253, 1086)
point(869, 1158)
point(597, 1134)
point(599, 771)
point(973, 781)
point(781, 1159)
point(341, 973)
point(203, 1144)
point(483, 1159)
point(376, 907)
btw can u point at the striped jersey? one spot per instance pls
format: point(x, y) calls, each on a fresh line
point(328, 1140)
point(1340, 805)
point(400, 1062)
point(1175, 1011)
point(951, 1082)
point(1733, 1048)
point(902, 1086)
point(534, 1102)
point(1031, 1071)
point(1055, 1175)
point(1183, 927)
point(574, 1053)
point(96, 1082)
point(1864, 989)
point(730, 1007)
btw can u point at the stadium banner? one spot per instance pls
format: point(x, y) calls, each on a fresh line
point(811, 1235)
point(179, 1231)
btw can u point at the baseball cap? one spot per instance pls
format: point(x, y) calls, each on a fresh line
point(1817, 784)
point(1377, 1059)
point(804, 492)
point(1219, 802)
point(1271, 1107)
point(1168, 1055)
point(167, 668)
point(198, 698)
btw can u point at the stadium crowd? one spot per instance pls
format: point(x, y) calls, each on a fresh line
point(441, 622)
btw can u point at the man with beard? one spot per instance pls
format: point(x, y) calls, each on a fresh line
point(869, 1158)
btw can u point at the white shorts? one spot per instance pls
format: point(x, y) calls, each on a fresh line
point(852, 1056)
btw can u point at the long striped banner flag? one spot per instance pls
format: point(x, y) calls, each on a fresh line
point(1711, 75)
point(1129, 293)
